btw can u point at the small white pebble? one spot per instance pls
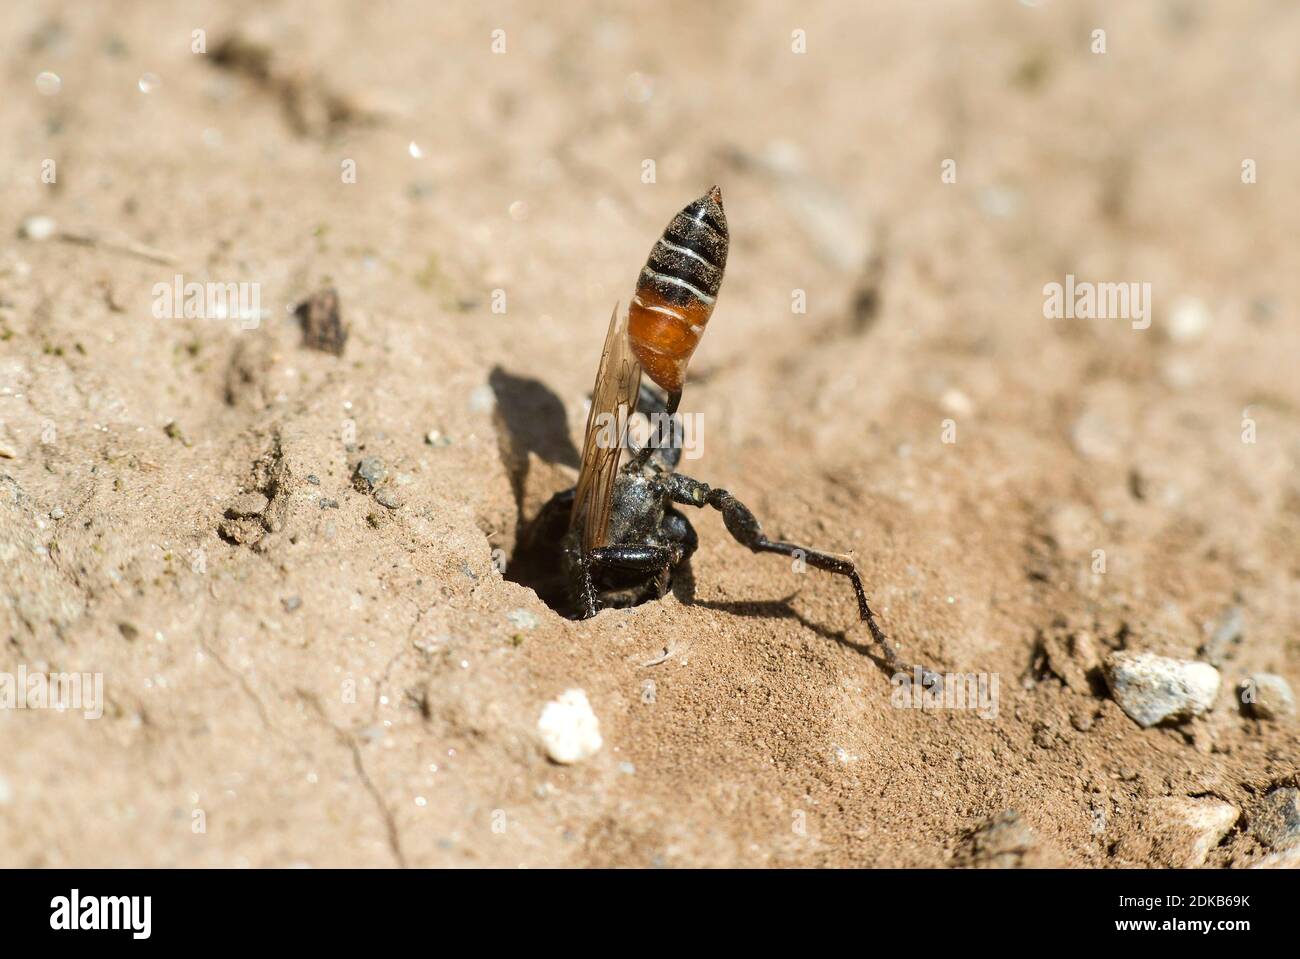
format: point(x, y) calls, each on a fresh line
point(569, 728)
point(1188, 320)
point(956, 403)
point(38, 228)
point(48, 84)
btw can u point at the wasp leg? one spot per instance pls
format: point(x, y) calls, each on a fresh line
point(584, 593)
point(745, 528)
point(676, 528)
point(657, 438)
point(649, 402)
point(634, 558)
point(658, 560)
point(650, 405)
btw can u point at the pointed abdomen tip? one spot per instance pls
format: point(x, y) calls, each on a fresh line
point(715, 195)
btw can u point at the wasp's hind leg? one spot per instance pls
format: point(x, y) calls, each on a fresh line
point(745, 528)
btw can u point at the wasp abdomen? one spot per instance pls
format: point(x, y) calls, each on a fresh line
point(677, 289)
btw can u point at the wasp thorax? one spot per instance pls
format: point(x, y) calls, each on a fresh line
point(677, 289)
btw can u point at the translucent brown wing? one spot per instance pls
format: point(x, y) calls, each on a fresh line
point(613, 400)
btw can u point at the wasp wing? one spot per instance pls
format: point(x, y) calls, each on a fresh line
point(613, 400)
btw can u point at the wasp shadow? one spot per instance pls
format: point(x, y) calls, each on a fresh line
point(781, 609)
point(530, 418)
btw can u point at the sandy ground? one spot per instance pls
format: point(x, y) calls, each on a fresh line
point(295, 673)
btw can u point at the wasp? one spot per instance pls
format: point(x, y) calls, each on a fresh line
point(619, 535)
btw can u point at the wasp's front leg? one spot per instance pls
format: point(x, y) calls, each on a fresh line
point(582, 588)
point(630, 558)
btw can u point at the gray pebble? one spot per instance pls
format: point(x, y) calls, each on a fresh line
point(1276, 822)
point(388, 498)
point(247, 505)
point(370, 472)
point(1152, 689)
point(57, 513)
point(1268, 696)
point(1004, 842)
point(291, 603)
